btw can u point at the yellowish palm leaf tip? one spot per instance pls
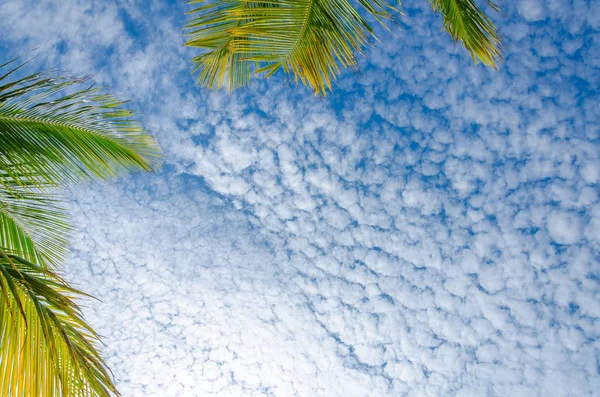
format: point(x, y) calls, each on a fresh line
point(312, 40)
point(46, 348)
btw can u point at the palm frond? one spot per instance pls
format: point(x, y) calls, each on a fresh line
point(33, 226)
point(310, 39)
point(55, 136)
point(467, 23)
point(46, 348)
point(52, 134)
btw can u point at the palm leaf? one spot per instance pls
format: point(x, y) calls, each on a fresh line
point(33, 226)
point(466, 22)
point(46, 348)
point(309, 39)
point(51, 135)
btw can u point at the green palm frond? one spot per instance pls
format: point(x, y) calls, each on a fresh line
point(310, 39)
point(467, 23)
point(49, 135)
point(33, 226)
point(52, 135)
point(46, 348)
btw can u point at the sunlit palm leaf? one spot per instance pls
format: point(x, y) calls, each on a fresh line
point(55, 136)
point(310, 39)
point(46, 348)
point(466, 22)
point(50, 135)
point(33, 226)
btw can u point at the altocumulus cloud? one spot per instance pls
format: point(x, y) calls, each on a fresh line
point(431, 228)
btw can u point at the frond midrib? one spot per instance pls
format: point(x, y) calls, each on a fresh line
point(305, 25)
point(460, 18)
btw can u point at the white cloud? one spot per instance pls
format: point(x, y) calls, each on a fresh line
point(531, 10)
point(564, 227)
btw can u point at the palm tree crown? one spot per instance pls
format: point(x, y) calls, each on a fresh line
point(311, 39)
point(52, 135)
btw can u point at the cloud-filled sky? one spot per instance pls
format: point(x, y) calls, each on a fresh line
point(432, 228)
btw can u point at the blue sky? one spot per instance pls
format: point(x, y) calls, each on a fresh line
point(432, 228)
